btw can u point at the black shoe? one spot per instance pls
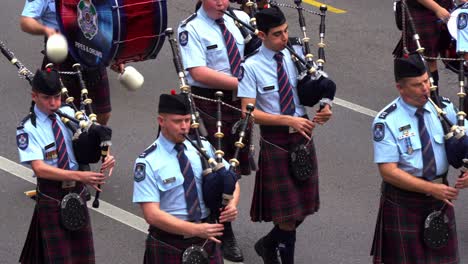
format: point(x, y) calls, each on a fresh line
point(231, 250)
point(269, 256)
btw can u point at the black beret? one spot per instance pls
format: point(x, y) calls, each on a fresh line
point(47, 82)
point(269, 18)
point(412, 66)
point(174, 104)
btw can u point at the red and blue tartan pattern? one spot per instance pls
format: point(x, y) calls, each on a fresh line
point(277, 196)
point(398, 237)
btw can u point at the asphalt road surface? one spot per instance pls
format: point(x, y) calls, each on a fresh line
point(359, 46)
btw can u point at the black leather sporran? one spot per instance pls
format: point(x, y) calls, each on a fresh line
point(73, 214)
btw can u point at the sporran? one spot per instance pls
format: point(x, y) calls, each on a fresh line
point(195, 255)
point(436, 230)
point(73, 214)
point(299, 162)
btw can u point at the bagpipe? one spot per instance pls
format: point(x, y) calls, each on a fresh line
point(218, 182)
point(313, 85)
point(91, 140)
point(435, 228)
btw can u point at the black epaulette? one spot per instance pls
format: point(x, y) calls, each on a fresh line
point(294, 41)
point(148, 151)
point(251, 54)
point(387, 111)
point(21, 124)
point(188, 19)
point(445, 101)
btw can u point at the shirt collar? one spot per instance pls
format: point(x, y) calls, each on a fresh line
point(412, 109)
point(204, 15)
point(167, 144)
point(268, 53)
point(39, 114)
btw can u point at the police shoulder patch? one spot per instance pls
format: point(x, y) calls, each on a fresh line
point(183, 38)
point(22, 140)
point(140, 172)
point(387, 111)
point(379, 131)
point(148, 151)
point(462, 20)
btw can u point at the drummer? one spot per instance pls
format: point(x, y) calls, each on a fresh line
point(39, 18)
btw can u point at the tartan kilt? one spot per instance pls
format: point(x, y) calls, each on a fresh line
point(427, 27)
point(398, 236)
point(96, 82)
point(208, 111)
point(277, 196)
point(49, 242)
point(170, 251)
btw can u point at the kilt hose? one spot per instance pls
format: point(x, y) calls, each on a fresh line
point(398, 237)
point(278, 197)
point(48, 242)
point(207, 112)
point(168, 249)
point(427, 26)
point(96, 82)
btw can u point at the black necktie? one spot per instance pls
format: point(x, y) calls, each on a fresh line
point(191, 194)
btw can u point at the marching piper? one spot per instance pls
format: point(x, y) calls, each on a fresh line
point(212, 48)
point(409, 150)
point(46, 144)
point(168, 188)
point(269, 81)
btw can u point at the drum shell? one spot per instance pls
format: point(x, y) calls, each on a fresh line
point(112, 31)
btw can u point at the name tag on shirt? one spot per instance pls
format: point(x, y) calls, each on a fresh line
point(212, 47)
point(268, 88)
point(49, 146)
point(169, 180)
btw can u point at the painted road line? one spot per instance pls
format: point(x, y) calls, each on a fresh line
point(105, 208)
point(329, 8)
point(355, 107)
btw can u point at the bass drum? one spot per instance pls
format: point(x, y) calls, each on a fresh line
point(109, 32)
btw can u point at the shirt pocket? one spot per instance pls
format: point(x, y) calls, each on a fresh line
point(409, 146)
point(169, 182)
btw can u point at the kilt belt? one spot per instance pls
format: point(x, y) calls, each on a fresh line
point(398, 236)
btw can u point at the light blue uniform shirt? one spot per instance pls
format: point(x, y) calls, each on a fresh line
point(43, 11)
point(260, 81)
point(162, 181)
point(205, 46)
point(38, 143)
point(396, 136)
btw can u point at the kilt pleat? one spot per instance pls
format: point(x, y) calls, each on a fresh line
point(170, 251)
point(398, 237)
point(277, 196)
point(427, 26)
point(33, 249)
point(47, 238)
point(208, 111)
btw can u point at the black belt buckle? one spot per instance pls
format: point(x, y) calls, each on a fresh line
point(73, 214)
